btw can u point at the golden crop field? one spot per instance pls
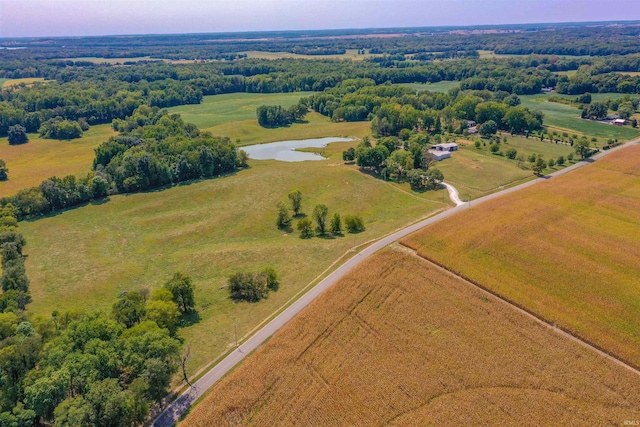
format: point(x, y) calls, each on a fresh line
point(400, 342)
point(31, 163)
point(567, 250)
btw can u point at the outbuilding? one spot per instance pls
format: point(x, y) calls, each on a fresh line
point(449, 146)
point(619, 122)
point(440, 155)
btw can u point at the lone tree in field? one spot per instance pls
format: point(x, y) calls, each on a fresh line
point(4, 172)
point(305, 228)
point(284, 220)
point(296, 201)
point(17, 135)
point(253, 287)
point(336, 225)
point(583, 148)
point(320, 213)
point(182, 289)
point(539, 166)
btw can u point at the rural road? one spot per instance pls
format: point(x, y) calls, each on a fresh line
point(179, 406)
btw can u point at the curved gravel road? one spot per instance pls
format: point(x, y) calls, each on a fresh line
point(179, 406)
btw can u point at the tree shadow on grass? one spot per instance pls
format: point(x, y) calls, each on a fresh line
point(189, 319)
point(300, 215)
point(100, 201)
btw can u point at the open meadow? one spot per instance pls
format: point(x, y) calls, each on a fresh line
point(83, 258)
point(215, 110)
point(564, 117)
point(31, 163)
point(234, 115)
point(476, 173)
point(442, 86)
point(400, 342)
point(566, 250)
point(16, 82)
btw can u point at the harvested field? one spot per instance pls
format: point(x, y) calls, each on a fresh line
point(567, 250)
point(400, 342)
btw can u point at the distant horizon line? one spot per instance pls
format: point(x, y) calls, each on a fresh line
point(387, 29)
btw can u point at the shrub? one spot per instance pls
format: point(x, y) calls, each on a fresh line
point(354, 224)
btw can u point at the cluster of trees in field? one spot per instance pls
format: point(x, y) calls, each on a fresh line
point(154, 149)
point(253, 286)
point(271, 116)
point(324, 224)
point(400, 160)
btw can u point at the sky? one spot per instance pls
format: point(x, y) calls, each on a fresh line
point(38, 18)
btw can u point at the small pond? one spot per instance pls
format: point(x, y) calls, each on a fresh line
point(286, 151)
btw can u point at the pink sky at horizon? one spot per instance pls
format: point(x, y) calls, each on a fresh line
point(41, 18)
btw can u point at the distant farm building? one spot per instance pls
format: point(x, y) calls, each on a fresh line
point(472, 130)
point(449, 146)
point(443, 151)
point(548, 89)
point(619, 122)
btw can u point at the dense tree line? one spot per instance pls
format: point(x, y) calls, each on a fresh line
point(395, 110)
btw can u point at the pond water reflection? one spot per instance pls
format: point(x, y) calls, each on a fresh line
point(286, 151)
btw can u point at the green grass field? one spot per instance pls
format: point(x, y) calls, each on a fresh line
point(526, 146)
point(234, 115)
point(2, 81)
point(566, 117)
point(233, 107)
point(82, 258)
point(39, 159)
point(477, 172)
point(442, 86)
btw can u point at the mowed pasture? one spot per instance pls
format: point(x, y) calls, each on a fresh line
point(442, 86)
point(399, 342)
point(31, 163)
point(566, 249)
point(476, 173)
point(564, 117)
point(234, 115)
point(16, 82)
point(83, 258)
point(233, 107)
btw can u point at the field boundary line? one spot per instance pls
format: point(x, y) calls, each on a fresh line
point(523, 310)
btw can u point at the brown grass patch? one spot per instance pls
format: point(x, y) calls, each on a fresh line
point(399, 342)
point(567, 249)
